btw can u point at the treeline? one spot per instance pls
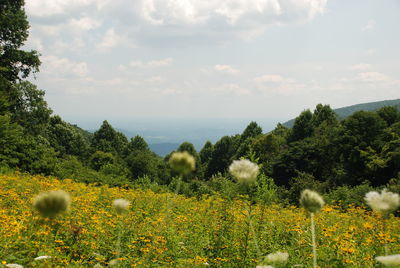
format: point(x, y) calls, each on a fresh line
point(320, 152)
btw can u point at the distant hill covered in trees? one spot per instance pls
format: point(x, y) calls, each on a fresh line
point(344, 112)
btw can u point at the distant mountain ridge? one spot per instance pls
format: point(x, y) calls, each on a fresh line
point(344, 112)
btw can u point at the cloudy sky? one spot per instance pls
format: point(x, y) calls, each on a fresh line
point(213, 58)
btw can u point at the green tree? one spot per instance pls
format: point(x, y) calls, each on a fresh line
point(206, 152)
point(244, 144)
point(30, 110)
point(15, 64)
point(323, 113)
point(303, 127)
point(138, 143)
point(222, 155)
point(67, 139)
point(13, 34)
point(390, 114)
point(107, 139)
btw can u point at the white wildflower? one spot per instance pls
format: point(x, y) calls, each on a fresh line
point(182, 162)
point(42, 258)
point(14, 265)
point(385, 202)
point(311, 201)
point(113, 262)
point(244, 170)
point(277, 257)
point(391, 260)
point(121, 205)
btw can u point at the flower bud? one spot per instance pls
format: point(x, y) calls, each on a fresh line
point(244, 170)
point(277, 257)
point(182, 162)
point(50, 204)
point(391, 260)
point(121, 206)
point(385, 202)
point(311, 201)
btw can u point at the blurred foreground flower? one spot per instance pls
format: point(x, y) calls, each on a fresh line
point(50, 204)
point(277, 257)
point(391, 260)
point(182, 162)
point(42, 258)
point(244, 170)
point(121, 205)
point(384, 203)
point(14, 265)
point(311, 201)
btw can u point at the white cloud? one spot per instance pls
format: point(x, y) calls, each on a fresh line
point(278, 84)
point(152, 20)
point(160, 63)
point(110, 40)
point(223, 68)
point(370, 26)
point(360, 67)
point(44, 8)
point(85, 23)
point(230, 89)
point(148, 64)
point(63, 67)
point(269, 78)
point(372, 77)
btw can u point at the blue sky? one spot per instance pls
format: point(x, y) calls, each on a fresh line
point(271, 59)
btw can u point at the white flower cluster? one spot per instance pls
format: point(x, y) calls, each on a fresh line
point(391, 260)
point(182, 162)
point(14, 265)
point(42, 258)
point(277, 257)
point(244, 170)
point(311, 201)
point(385, 202)
point(121, 205)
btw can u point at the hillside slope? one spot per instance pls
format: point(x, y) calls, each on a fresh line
point(344, 112)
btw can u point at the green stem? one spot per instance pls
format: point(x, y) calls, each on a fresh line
point(118, 246)
point(246, 242)
point(385, 245)
point(314, 244)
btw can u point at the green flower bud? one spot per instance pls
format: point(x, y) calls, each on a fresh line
point(182, 162)
point(50, 204)
point(311, 201)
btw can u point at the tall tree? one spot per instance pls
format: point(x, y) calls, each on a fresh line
point(15, 64)
point(107, 139)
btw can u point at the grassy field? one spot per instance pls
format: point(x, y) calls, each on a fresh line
point(173, 231)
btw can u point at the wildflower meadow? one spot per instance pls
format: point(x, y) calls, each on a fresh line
point(103, 226)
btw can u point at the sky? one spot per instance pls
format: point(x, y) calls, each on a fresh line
point(233, 59)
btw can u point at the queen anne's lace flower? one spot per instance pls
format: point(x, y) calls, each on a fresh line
point(391, 260)
point(244, 170)
point(14, 265)
point(42, 258)
point(311, 201)
point(121, 205)
point(182, 162)
point(50, 204)
point(277, 257)
point(385, 202)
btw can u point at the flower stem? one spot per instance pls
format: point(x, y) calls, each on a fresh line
point(314, 244)
point(385, 245)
